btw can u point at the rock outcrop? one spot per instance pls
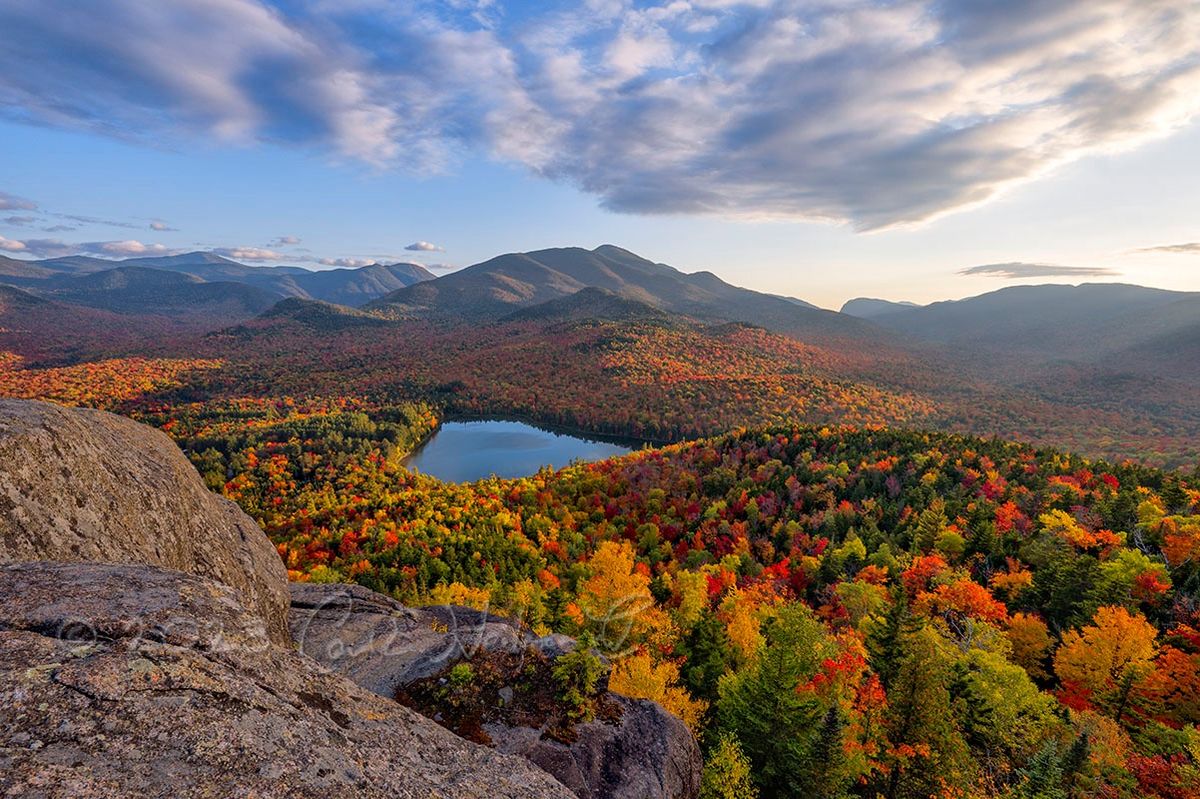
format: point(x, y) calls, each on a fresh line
point(642, 753)
point(130, 681)
point(84, 485)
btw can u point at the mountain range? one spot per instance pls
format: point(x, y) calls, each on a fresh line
point(200, 283)
point(1017, 361)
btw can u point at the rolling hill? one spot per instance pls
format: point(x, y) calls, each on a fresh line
point(138, 291)
point(1108, 325)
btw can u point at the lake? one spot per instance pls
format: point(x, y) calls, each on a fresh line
point(461, 452)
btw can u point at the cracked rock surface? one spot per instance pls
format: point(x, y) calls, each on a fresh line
point(83, 485)
point(128, 681)
point(383, 645)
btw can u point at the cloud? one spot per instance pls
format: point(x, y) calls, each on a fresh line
point(95, 220)
point(19, 221)
point(424, 246)
point(123, 249)
point(285, 241)
point(162, 227)
point(350, 263)
point(59, 228)
point(871, 112)
point(1018, 270)
point(55, 248)
point(1190, 248)
point(9, 202)
point(249, 253)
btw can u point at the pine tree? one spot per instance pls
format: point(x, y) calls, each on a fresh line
point(1074, 761)
point(707, 651)
point(1043, 776)
point(828, 759)
point(884, 637)
point(775, 723)
point(931, 523)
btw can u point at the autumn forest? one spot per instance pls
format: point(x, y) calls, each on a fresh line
point(853, 570)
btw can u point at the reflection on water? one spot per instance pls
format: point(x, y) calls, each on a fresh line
point(465, 451)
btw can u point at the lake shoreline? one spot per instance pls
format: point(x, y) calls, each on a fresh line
point(507, 447)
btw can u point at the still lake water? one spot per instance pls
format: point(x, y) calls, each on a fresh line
point(461, 452)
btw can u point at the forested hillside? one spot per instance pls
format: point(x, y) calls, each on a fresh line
point(835, 610)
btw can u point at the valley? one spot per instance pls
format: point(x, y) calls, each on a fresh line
point(831, 511)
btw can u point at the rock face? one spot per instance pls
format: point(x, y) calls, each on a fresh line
point(382, 645)
point(130, 681)
point(84, 485)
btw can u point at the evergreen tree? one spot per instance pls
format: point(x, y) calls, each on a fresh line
point(707, 650)
point(1043, 777)
point(884, 636)
point(761, 706)
point(828, 758)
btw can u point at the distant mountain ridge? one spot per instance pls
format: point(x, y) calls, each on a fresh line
point(199, 283)
point(507, 283)
point(870, 308)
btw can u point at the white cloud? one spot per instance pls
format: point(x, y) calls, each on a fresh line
point(162, 226)
point(350, 263)
point(54, 248)
point(285, 241)
point(249, 253)
point(873, 112)
point(123, 249)
point(424, 246)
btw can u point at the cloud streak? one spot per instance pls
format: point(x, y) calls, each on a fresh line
point(1189, 248)
point(872, 112)
point(1018, 270)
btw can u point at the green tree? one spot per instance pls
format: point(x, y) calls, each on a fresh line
point(779, 726)
point(727, 772)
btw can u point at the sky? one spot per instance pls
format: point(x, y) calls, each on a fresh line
point(824, 149)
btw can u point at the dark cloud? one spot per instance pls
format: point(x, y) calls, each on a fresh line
point(1190, 248)
point(19, 221)
point(1018, 270)
point(875, 112)
point(10, 202)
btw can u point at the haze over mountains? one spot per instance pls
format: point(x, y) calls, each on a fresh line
point(1116, 326)
point(200, 283)
point(1108, 369)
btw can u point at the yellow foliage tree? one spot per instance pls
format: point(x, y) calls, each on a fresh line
point(615, 597)
point(1030, 641)
point(637, 676)
point(1108, 656)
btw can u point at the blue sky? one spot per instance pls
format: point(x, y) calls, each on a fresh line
point(820, 148)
